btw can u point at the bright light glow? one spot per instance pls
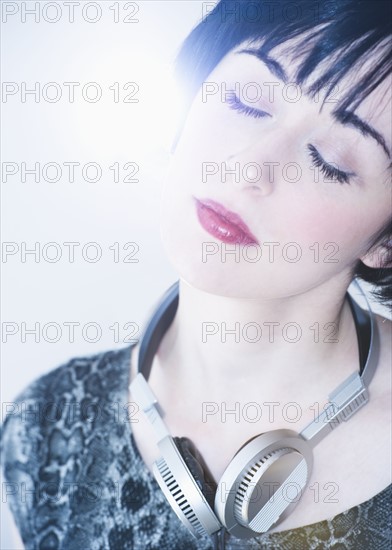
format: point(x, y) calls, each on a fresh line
point(139, 129)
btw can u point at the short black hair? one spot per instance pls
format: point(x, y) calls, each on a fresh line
point(348, 31)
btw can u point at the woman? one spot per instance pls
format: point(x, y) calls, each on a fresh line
point(277, 196)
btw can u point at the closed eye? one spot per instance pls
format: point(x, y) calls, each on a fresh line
point(236, 104)
point(331, 172)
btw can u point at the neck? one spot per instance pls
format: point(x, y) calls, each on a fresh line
point(219, 340)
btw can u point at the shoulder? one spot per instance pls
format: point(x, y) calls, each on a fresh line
point(383, 371)
point(380, 387)
point(49, 427)
point(79, 381)
point(376, 430)
point(43, 401)
point(385, 330)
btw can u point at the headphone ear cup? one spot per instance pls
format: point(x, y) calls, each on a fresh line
point(198, 468)
point(246, 442)
point(251, 496)
point(183, 476)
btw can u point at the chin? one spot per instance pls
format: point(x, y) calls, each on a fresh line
point(217, 278)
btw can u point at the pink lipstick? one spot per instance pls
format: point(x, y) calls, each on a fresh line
point(223, 224)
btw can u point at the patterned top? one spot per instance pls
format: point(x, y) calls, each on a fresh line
point(76, 480)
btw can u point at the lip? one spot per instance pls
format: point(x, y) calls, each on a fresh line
point(223, 224)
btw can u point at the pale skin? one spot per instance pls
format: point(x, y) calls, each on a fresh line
point(187, 372)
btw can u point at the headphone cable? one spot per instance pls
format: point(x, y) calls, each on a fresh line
point(219, 539)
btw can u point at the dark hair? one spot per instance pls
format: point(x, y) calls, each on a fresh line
point(348, 31)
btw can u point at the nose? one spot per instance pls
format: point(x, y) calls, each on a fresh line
point(247, 170)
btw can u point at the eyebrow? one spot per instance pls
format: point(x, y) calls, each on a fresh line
point(273, 65)
point(346, 118)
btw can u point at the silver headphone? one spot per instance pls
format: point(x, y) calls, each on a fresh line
point(255, 490)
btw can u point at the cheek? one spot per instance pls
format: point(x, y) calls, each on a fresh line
point(319, 221)
point(339, 226)
point(309, 220)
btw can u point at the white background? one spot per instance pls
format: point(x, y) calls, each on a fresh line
point(105, 212)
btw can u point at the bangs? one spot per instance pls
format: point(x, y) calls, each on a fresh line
point(348, 34)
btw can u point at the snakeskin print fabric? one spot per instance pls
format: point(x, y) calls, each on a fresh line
point(75, 480)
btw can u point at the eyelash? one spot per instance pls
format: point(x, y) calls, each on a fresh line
point(238, 106)
point(331, 172)
point(328, 170)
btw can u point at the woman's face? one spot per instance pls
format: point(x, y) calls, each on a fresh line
point(311, 189)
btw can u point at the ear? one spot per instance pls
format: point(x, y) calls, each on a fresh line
point(379, 256)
